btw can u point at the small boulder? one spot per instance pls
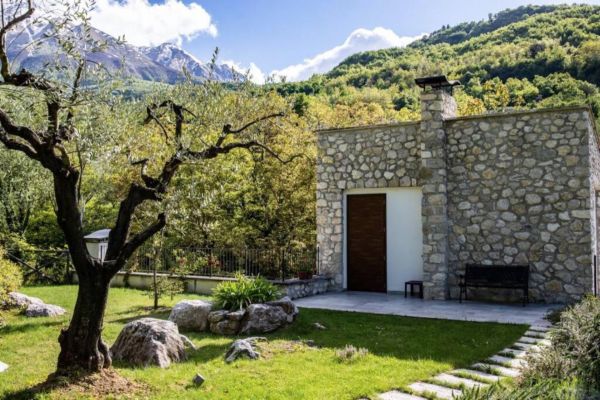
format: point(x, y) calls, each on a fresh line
point(149, 341)
point(264, 318)
point(44, 310)
point(198, 380)
point(20, 300)
point(191, 315)
point(243, 347)
point(223, 322)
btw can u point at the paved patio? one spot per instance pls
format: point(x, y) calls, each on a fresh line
point(393, 304)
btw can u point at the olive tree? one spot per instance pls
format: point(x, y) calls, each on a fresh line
point(209, 123)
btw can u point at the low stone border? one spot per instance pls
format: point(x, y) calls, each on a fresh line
point(506, 364)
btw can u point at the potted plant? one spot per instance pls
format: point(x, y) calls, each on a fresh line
point(305, 271)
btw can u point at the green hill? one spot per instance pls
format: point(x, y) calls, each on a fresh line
point(533, 56)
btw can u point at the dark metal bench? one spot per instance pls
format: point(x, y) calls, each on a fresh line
point(497, 277)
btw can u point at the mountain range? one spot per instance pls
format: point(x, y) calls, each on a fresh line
point(33, 48)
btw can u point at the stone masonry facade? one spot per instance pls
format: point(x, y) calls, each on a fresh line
point(509, 188)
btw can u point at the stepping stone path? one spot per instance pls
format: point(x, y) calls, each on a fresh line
point(506, 364)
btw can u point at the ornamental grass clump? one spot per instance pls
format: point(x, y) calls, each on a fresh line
point(239, 294)
point(350, 353)
point(574, 350)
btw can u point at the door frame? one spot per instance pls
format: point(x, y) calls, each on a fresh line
point(386, 192)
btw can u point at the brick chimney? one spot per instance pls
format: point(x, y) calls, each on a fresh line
point(437, 104)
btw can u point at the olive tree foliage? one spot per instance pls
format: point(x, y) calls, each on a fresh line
point(74, 123)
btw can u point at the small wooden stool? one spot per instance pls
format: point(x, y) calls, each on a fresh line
point(412, 284)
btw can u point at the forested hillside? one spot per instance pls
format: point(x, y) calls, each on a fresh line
point(534, 56)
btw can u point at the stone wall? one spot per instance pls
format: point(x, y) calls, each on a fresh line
point(519, 193)
point(298, 288)
point(367, 157)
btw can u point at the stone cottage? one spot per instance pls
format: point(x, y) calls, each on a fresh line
point(419, 200)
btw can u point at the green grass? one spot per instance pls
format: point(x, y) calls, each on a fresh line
point(401, 351)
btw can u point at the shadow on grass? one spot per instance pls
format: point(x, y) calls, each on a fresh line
point(28, 326)
point(454, 342)
point(161, 313)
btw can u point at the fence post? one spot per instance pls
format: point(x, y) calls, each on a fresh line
point(282, 265)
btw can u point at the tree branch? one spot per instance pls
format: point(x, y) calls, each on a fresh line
point(5, 68)
point(137, 240)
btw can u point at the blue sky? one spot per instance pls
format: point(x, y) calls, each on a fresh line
point(280, 35)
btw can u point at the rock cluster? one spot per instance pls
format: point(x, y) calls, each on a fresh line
point(257, 318)
point(149, 341)
point(32, 306)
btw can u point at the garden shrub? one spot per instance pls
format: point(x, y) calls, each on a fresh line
point(10, 276)
point(545, 390)
point(239, 294)
point(10, 279)
point(575, 349)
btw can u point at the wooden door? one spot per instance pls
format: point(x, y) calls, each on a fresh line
point(366, 242)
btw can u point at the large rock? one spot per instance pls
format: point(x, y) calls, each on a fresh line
point(20, 300)
point(268, 317)
point(288, 306)
point(44, 310)
point(149, 341)
point(264, 318)
point(191, 315)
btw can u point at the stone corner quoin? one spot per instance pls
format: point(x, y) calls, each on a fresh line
point(507, 188)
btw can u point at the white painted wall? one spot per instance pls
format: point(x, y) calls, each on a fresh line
point(404, 235)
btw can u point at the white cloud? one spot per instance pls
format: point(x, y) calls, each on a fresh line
point(149, 24)
point(359, 40)
point(255, 73)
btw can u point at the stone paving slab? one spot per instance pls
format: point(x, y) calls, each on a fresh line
point(452, 380)
point(478, 374)
point(513, 352)
point(536, 334)
point(396, 395)
point(497, 369)
point(523, 346)
point(439, 391)
point(3, 367)
point(507, 361)
point(540, 328)
point(530, 340)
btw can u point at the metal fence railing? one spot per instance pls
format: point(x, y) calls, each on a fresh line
point(54, 266)
point(226, 262)
point(44, 266)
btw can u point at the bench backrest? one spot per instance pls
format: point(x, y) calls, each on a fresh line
point(497, 274)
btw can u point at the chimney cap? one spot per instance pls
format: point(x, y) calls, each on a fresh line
point(436, 82)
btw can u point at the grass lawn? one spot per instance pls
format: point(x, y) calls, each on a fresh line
point(401, 351)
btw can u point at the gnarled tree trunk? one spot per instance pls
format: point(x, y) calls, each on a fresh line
point(81, 344)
